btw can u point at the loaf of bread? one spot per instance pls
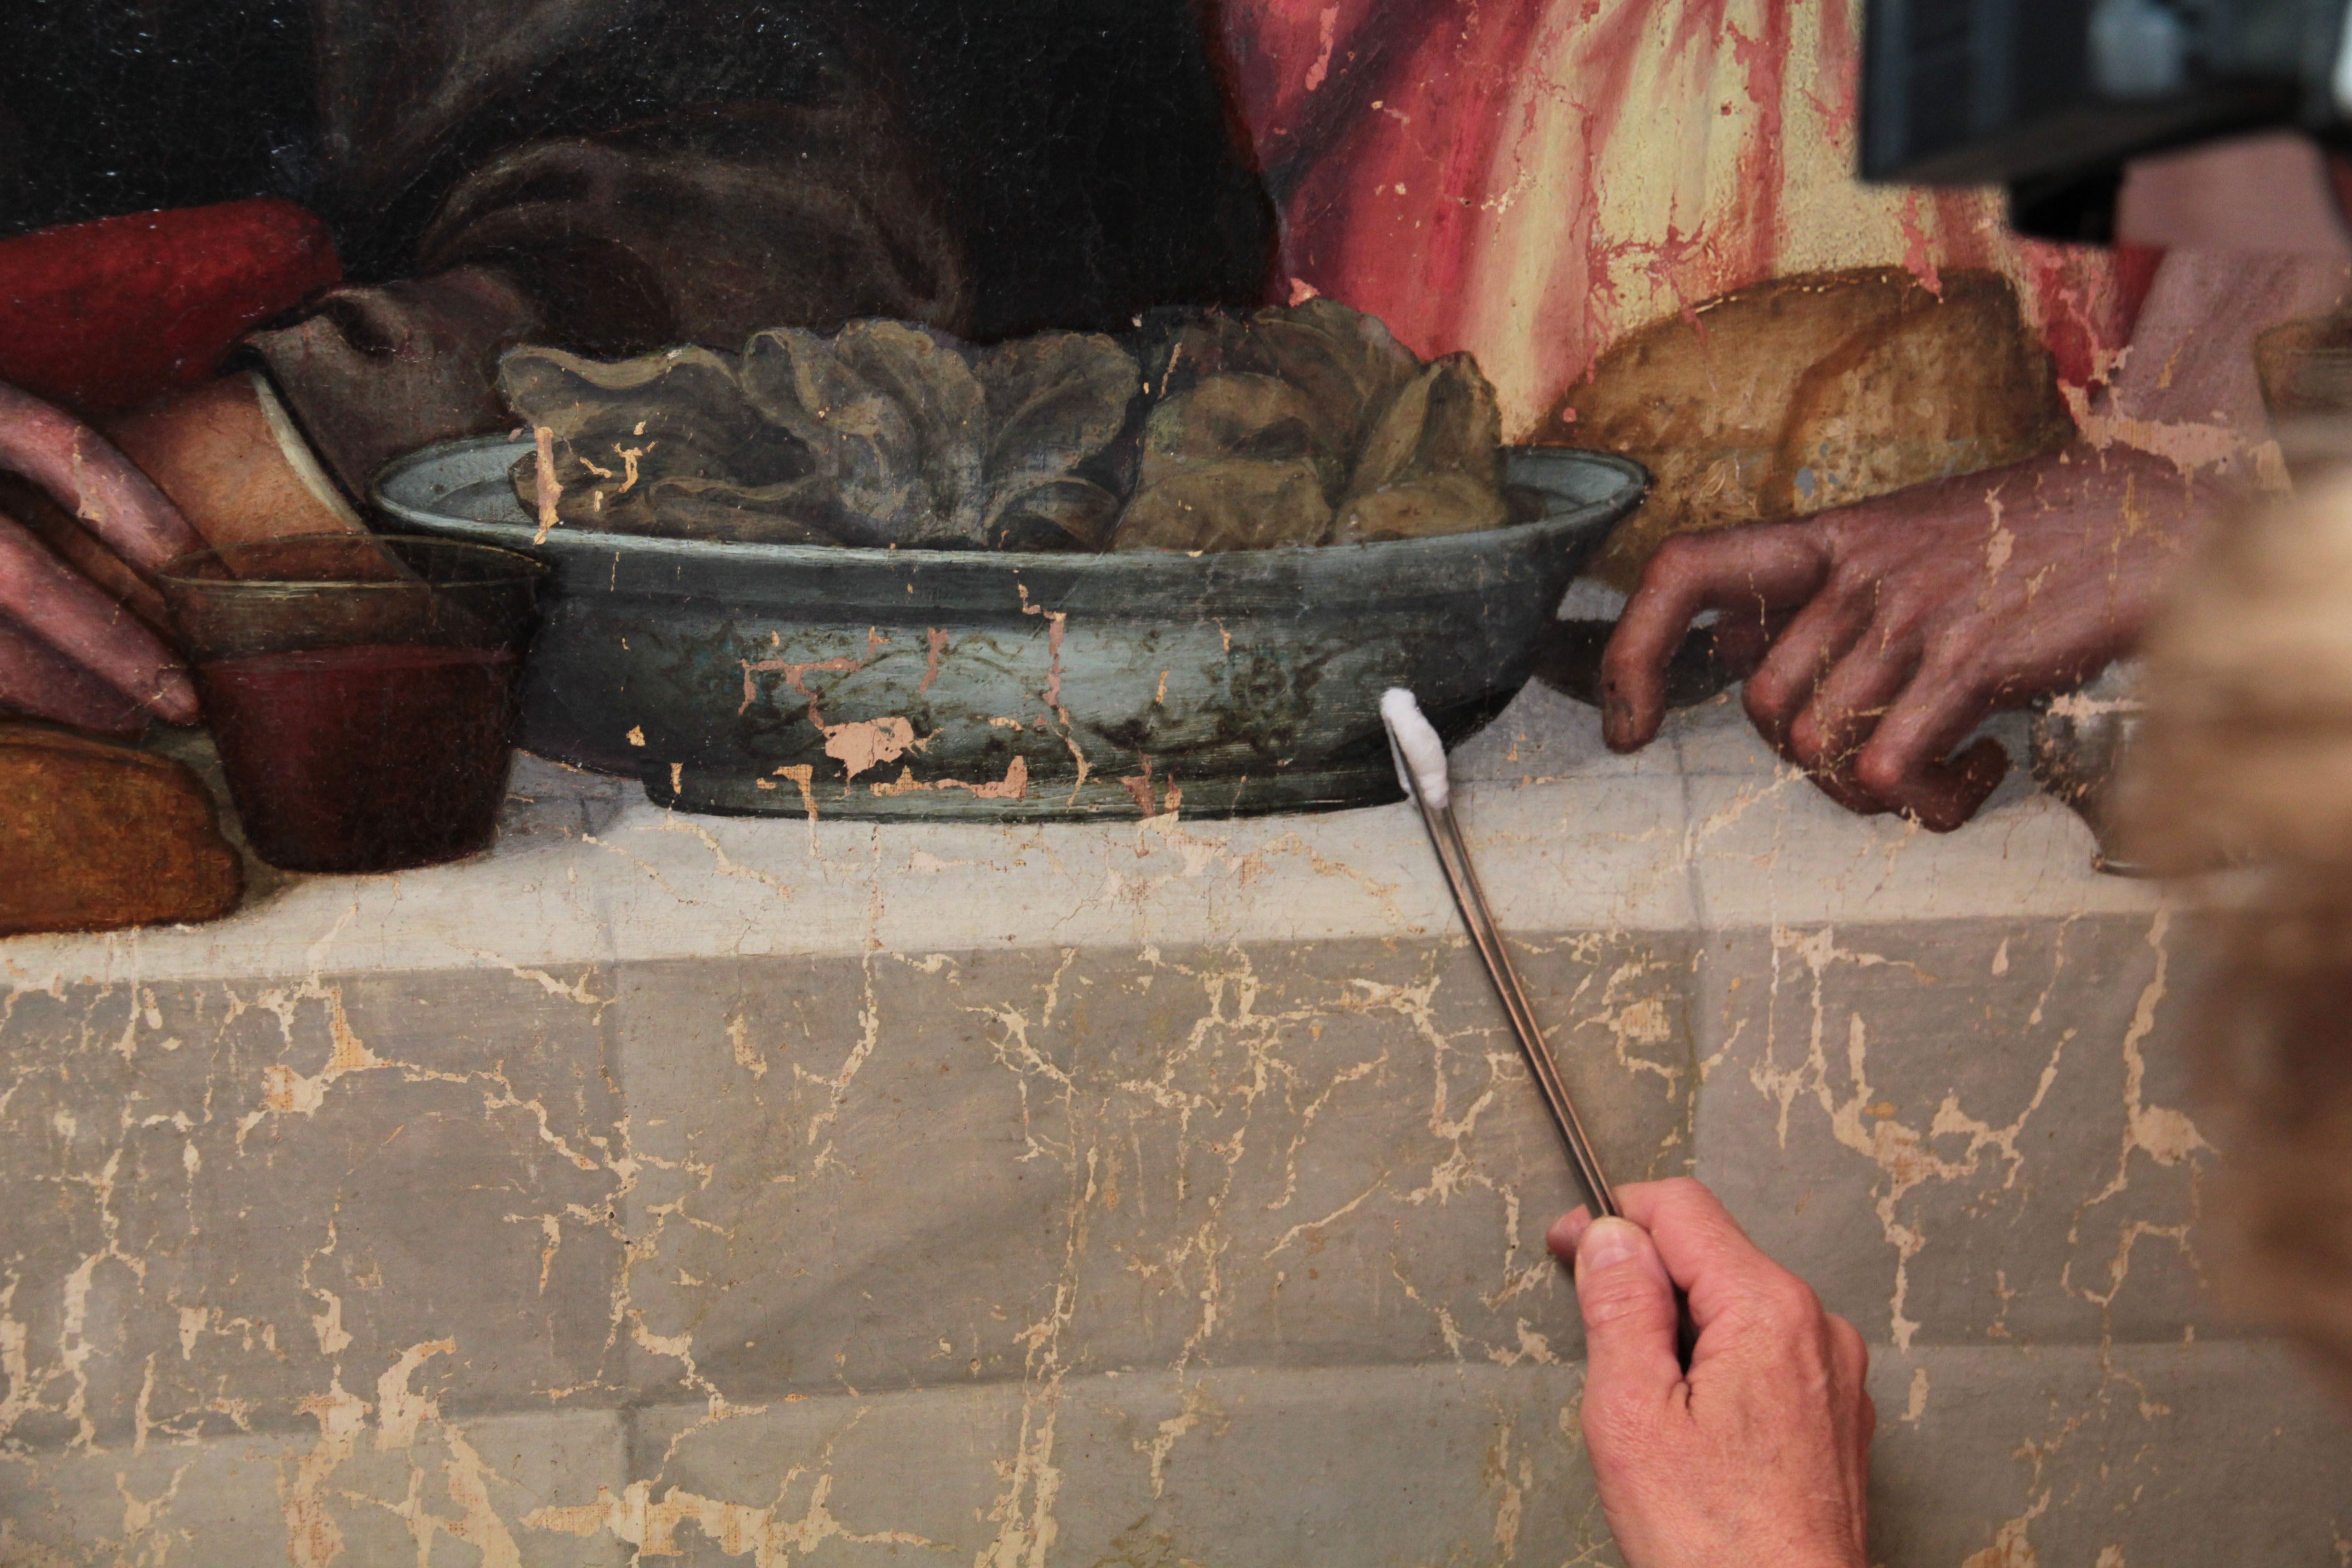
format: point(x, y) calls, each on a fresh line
point(1810, 392)
point(96, 837)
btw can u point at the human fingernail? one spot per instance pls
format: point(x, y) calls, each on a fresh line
point(1608, 1242)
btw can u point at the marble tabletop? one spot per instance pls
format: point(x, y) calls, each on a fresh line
point(669, 1188)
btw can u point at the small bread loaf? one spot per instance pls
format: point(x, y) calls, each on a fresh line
point(1810, 392)
point(97, 837)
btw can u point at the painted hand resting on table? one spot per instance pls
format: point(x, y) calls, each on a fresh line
point(1760, 1453)
point(1874, 637)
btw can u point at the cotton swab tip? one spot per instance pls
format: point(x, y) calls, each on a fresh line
point(1421, 755)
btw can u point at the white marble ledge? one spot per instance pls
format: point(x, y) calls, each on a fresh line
point(1702, 832)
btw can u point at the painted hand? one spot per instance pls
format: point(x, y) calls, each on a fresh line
point(73, 646)
point(1874, 637)
point(1760, 1453)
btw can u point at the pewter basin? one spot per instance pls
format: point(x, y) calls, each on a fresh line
point(933, 684)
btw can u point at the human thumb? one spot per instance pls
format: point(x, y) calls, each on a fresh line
point(1628, 1301)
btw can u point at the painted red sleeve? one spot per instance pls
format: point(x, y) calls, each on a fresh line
point(106, 315)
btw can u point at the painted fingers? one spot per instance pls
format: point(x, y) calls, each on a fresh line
point(48, 600)
point(1840, 677)
point(1747, 573)
point(84, 472)
point(70, 651)
point(36, 680)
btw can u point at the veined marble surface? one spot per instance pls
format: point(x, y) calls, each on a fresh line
point(1705, 830)
point(671, 1189)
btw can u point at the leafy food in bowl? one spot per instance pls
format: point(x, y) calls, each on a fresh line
point(925, 441)
point(1298, 426)
point(1251, 409)
point(883, 434)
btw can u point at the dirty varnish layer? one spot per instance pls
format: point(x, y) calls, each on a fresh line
point(679, 1190)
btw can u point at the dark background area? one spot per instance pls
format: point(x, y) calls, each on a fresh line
point(1085, 148)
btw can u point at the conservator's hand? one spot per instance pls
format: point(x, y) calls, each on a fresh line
point(1760, 1454)
point(1876, 637)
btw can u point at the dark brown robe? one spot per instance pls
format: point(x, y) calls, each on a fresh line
point(614, 175)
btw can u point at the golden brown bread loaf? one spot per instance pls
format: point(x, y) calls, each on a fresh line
point(94, 836)
point(1814, 391)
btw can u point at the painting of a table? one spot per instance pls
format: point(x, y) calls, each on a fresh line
point(1104, 1195)
point(995, 1124)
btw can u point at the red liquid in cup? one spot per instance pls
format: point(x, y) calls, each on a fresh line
point(365, 759)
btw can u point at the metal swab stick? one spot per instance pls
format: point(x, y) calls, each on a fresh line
point(1421, 768)
point(1420, 758)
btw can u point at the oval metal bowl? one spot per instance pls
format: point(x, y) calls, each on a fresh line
point(931, 684)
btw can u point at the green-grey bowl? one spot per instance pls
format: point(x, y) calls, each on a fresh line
point(926, 684)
